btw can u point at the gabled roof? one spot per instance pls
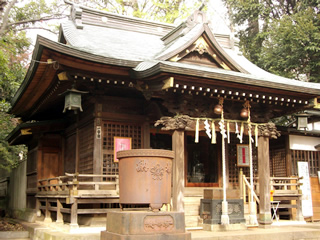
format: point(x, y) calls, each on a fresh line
point(108, 48)
point(133, 39)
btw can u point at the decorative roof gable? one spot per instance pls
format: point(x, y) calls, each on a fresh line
point(193, 42)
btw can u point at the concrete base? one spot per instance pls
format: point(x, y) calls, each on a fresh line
point(219, 227)
point(145, 225)
point(14, 235)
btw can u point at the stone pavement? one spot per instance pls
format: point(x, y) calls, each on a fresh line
point(284, 230)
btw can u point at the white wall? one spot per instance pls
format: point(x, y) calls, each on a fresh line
point(303, 142)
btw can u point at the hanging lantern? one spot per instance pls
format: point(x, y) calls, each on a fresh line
point(244, 113)
point(219, 107)
point(72, 100)
point(302, 120)
point(245, 110)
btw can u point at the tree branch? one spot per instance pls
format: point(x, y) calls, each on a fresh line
point(4, 25)
point(47, 18)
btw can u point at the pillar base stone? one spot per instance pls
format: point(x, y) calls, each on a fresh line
point(265, 219)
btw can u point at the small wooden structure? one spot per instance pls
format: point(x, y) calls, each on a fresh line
point(157, 85)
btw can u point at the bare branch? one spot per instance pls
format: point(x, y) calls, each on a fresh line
point(33, 28)
point(46, 18)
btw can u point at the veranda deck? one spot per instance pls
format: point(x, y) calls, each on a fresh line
point(75, 194)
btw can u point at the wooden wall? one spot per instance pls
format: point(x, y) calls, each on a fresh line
point(70, 154)
point(86, 145)
point(50, 161)
point(315, 191)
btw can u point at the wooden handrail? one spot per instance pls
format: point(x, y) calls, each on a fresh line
point(249, 187)
point(70, 182)
point(91, 175)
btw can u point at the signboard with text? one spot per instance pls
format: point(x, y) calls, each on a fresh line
point(120, 144)
point(303, 171)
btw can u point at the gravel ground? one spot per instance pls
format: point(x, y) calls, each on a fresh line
point(8, 224)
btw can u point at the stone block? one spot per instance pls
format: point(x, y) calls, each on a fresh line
point(132, 225)
point(211, 210)
point(217, 193)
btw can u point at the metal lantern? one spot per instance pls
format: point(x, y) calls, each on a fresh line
point(302, 121)
point(72, 100)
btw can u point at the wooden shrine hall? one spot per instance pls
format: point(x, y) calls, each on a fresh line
point(112, 82)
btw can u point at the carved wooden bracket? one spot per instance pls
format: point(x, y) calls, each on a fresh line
point(269, 130)
point(181, 122)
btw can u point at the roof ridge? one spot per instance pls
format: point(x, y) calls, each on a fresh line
point(82, 15)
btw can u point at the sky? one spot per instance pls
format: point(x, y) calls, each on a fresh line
point(217, 13)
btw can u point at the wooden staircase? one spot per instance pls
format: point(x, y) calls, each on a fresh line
point(192, 198)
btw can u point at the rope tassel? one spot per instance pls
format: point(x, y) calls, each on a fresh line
point(256, 134)
point(196, 140)
point(213, 129)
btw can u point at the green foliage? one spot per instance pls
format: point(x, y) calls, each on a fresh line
point(30, 14)
point(295, 41)
point(13, 55)
point(280, 36)
point(9, 155)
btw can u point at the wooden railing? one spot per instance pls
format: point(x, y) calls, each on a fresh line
point(81, 184)
point(245, 191)
point(287, 191)
point(76, 194)
point(285, 184)
point(284, 189)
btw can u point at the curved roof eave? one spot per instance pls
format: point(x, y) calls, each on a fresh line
point(44, 43)
point(148, 69)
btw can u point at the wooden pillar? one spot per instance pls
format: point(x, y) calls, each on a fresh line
point(266, 132)
point(47, 212)
point(59, 213)
point(178, 169)
point(146, 135)
point(264, 180)
point(77, 146)
point(97, 142)
point(74, 214)
point(288, 157)
point(38, 205)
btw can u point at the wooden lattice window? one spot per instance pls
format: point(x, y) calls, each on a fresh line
point(111, 130)
point(312, 157)
point(86, 135)
point(232, 160)
point(278, 163)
